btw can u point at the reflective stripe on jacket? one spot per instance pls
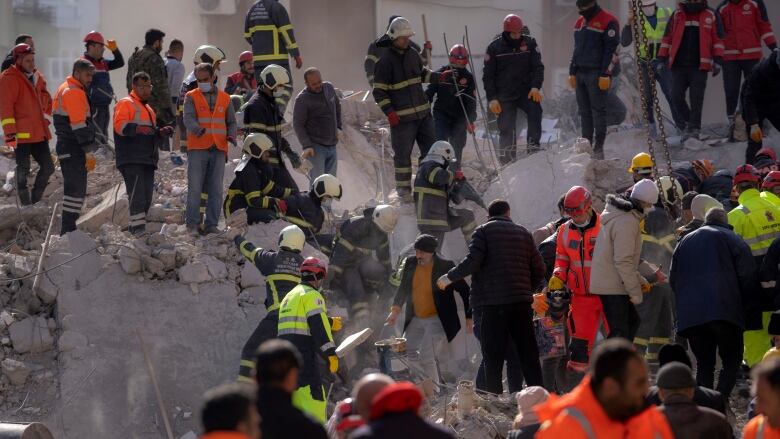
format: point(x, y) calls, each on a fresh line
point(212, 120)
point(574, 255)
point(759, 428)
point(72, 120)
point(756, 220)
point(280, 268)
point(431, 196)
point(398, 79)
point(595, 43)
point(133, 147)
point(267, 28)
point(22, 106)
point(710, 43)
point(655, 34)
point(303, 312)
point(746, 24)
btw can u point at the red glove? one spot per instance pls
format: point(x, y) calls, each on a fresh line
point(298, 62)
point(470, 127)
point(144, 130)
point(232, 140)
point(459, 175)
point(281, 206)
point(428, 45)
point(393, 118)
point(166, 131)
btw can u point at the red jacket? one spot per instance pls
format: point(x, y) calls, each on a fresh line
point(710, 44)
point(746, 24)
point(22, 106)
point(239, 80)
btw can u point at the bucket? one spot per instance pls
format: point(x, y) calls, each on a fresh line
point(387, 350)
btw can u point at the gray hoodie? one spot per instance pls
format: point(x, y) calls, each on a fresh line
point(317, 116)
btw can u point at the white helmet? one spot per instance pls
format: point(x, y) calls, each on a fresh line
point(443, 149)
point(256, 144)
point(292, 237)
point(385, 217)
point(400, 27)
point(326, 185)
point(274, 76)
point(648, 3)
point(209, 54)
point(670, 195)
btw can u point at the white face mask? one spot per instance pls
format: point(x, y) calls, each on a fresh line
point(278, 92)
point(326, 202)
point(205, 87)
point(649, 11)
point(647, 209)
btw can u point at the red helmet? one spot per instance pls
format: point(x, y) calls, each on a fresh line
point(746, 174)
point(767, 152)
point(314, 266)
point(20, 50)
point(771, 180)
point(347, 418)
point(245, 56)
point(94, 37)
point(459, 55)
point(513, 23)
point(577, 201)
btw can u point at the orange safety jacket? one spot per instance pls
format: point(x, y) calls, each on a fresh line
point(72, 120)
point(573, 255)
point(23, 105)
point(133, 147)
point(213, 121)
point(759, 428)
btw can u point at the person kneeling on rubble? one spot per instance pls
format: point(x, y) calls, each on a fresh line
point(431, 312)
point(253, 187)
point(282, 274)
point(303, 320)
point(361, 258)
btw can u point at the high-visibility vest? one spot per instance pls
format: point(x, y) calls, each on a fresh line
point(212, 120)
point(297, 306)
point(756, 220)
point(655, 34)
point(759, 428)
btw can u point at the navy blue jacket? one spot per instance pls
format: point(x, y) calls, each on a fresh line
point(595, 42)
point(100, 91)
point(712, 270)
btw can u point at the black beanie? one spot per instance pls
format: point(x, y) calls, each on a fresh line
point(426, 243)
point(774, 324)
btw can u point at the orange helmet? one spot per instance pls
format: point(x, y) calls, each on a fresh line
point(244, 57)
point(704, 168)
point(771, 180)
point(577, 201)
point(513, 23)
point(94, 37)
point(459, 55)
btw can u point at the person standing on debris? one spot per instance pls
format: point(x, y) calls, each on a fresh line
point(305, 209)
point(700, 205)
point(135, 133)
point(360, 261)
point(203, 54)
point(317, 123)
point(211, 125)
point(253, 188)
point(746, 24)
point(512, 76)
point(711, 273)
point(757, 221)
point(433, 193)
point(262, 114)
point(24, 104)
point(761, 101)
point(8, 61)
point(278, 365)
point(268, 29)
point(175, 68)
point(615, 273)
point(243, 82)
point(229, 412)
point(281, 270)
point(590, 72)
point(378, 48)
point(455, 105)
point(303, 320)
point(506, 269)
point(399, 94)
point(608, 403)
point(148, 60)
point(100, 92)
point(655, 21)
point(692, 47)
point(766, 388)
point(431, 312)
point(75, 140)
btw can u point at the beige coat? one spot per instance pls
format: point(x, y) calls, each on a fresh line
point(615, 269)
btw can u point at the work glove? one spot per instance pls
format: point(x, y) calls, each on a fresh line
point(572, 81)
point(393, 118)
point(166, 131)
point(307, 152)
point(716, 68)
point(333, 363)
point(494, 106)
point(471, 128)
point(535, 95)
point(295, 161)
point(238, 240)
point(646, 287)
point(446, 76)
point(144, 130)
point(604, 83)
point(200, 132)
point(459, 175)
point(443, 282)
point(90, 162)
point(540, 304)
point(281, 206)
point(428, 46)
point(305, 167)
point(336, 324)
point(111, 45)
point(756, 134)
point(298, 62)
point(555, 284)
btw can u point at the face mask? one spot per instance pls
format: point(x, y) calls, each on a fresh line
point(278, 92)
point(646, 210)
point(693, 8)
point(205, 87)
point(326, 202)
point(649, 11)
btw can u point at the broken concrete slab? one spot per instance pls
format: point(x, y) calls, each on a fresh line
point(154, 266)
point(16, 371)
point(251, 296)
point(11, 215)
point(70, 340)
point(77, 264)
point(129, 260)
point(217, 269)
point(31, 335)
point(194, 273)
point(113, 209)
point(167, 257)
point(250, 276)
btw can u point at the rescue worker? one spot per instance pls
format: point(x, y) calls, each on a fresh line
point(253, 185)
point(455, 107)
point(641, 167)
point(24, 104)
point(399, 94)
point(148, 60)
point(757, 221)
point(268, 29)
point(770, 188)
point(692, 47)
point(761, 101)
point(608, 403)
point(575, 243)
point(100, 92)
point(281, 270)
point(229, 412)
point(375, 53)
point(8, 61)
point(243, 82)
point(361, 257)
point(512, 76)
point(303, 320)
point(766, 161)
point(766, 388)
point(75, 140)
point(136, 152)
point(590, 72)
point(305, 209)
point(432, 195)
point(746, 24)
point(203, 54)
point(655, 21)
point(262, 114)
point(692, 177)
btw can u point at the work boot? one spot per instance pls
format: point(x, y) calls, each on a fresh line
point(533, 148)
point(24, 196)
point(598, 147)
point(210, 230)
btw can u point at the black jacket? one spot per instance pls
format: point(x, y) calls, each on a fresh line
point(304, 209)
point(405, 425)
point(281, 420)
point(449, 97)
point(688, 420)
point(687, 178)
point(504, 263)
point(444, 300)
point(512, 68)
point(262, 115)
point(768, 275)
point(252, 187)
point(547, 249)
point(268, 29)
point(702, 396)
point(718, 186)
point(281, 270)
point(357, 239)
point(761, 91)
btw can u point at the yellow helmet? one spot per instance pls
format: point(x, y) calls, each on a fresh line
point(642, 163)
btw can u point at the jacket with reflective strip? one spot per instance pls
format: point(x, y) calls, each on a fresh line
point(268, 29)
point(252, 187)
point(398, 79)
point(303, 319)
point(759, 428)
point(746, 24)
point(710, 43)
point(22, 106)
point(280, 268)
point(756, 220)
point(574, 254)
point(133, 147)
point(212, 120)
point(431, 198)
point(72, 117)
point(655, 34)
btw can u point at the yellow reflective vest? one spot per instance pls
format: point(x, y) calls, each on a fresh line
point(303, 313)
point(655, 34)
point(756, 220)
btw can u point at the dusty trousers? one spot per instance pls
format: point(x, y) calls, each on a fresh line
point(689, 80)
point(592, 104)
point(452, 130)
point(266, 330)
point(139, 181)
point(655, 322)
point(507, 126)
point(74, 175)
point(402, 137)
point(733, 72)
point(40, 152)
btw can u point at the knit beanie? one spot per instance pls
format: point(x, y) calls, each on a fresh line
point(426, 243)
point(527, 399)
point(645, 190)
point(701, 204)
